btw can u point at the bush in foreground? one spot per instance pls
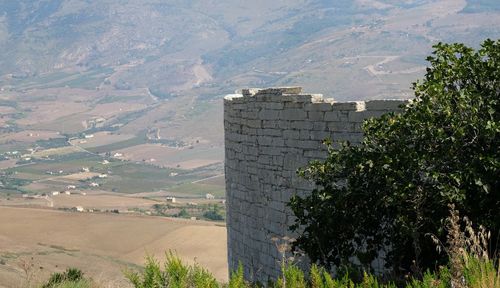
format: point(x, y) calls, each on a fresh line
point(477, 274)
point(71, 278)
point(390, 192)
point(469, 265)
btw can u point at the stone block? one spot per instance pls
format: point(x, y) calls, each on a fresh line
point(268, 114)
point(318, 107)
point(253, 123)
point(271, 132)
point(293, 114)
point(342, 126)
point(356, 116)
point(280, 90)
point(296, 105)
point(332, 116)
point(349, 106)
point(316, 115)
point(249, 114)
point(291, 134)
point(273, 105)
point(301, 125)
point(319, 126)
point(305, 134)
point(230, 97)
point(270, 124)
point(301, 98)
point(319, 135)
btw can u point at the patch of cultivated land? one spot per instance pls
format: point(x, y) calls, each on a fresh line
point(8, 163)
point(28, 136)
point(101, 139)
point(218, 180)
point(47, 111)
point(102, 245)
point(101, 200)
point(197, 190)
point(57, 151)
point(183, 158)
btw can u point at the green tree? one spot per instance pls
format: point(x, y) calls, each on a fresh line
point(392, 191)
point(213, 213)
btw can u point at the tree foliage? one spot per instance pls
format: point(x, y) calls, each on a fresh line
point(392, 191)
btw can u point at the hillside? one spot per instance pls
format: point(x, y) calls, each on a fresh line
point(212, 47)
point(84, 81)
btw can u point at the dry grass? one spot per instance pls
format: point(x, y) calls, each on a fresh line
point(102, 244)
point(97, 200)
point(469, 258)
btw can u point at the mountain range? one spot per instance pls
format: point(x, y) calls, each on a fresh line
point(347, 49)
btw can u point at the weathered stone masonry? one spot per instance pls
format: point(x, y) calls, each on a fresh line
point(269, 134)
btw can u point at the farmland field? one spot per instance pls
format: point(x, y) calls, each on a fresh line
point(101, 139)
point(198, 189)
point(155, 154)
point(102, 245)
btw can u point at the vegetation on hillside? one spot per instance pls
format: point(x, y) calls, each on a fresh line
point(71, 278)
point(469, 266)
point(391, 193)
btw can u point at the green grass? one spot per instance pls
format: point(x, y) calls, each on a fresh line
point(115, 98)
point(66, 164)
point(74, 284)
point(195, 154)
point(175, 273)
point(138, 140)
point(41, 80)
point(87, 80)
point(124, 176)
point(127, 177)
point(198, 189)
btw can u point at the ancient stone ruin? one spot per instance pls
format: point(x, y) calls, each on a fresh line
point(269, 134)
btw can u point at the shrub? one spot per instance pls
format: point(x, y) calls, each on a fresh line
point(71, 278)
point(391, 191)
point(478, 274)
point(174, 274)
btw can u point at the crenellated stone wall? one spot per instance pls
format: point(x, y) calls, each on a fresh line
point(269, 134)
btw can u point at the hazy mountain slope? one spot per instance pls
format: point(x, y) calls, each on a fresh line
point(176, 46)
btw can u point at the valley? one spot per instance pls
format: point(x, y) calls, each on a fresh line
point(111, 113)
